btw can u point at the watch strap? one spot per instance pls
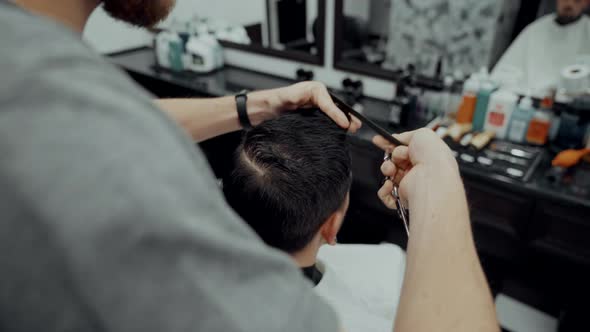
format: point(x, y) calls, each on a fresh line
point(241, 101)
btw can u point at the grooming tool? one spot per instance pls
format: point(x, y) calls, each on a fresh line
point(481, 140)
point(442, 132)
point(401, 209)
point(434, 124)
point(380, 130)
point(466, 140)
point(458, 130)
point(399, 205)
point(569, 158)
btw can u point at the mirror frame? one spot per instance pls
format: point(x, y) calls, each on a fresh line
point(352, 67)
point(302, 57)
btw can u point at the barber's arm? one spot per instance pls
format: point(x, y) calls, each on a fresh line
point(444, 286)
point(207, 118)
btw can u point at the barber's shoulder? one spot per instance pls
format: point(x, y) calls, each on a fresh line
point(34, 48)
point(22, 31)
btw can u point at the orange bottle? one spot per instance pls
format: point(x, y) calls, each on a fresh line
point(467, 107)
point(538, 131)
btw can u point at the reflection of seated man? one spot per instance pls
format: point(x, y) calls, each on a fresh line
point(291, 183)
point(548, 45)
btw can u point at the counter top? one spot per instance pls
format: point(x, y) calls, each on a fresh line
point(226, 81)
point(230, 80)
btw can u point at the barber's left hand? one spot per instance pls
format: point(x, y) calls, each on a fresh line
point(306, 95)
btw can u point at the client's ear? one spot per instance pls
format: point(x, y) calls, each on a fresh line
point(331, 227)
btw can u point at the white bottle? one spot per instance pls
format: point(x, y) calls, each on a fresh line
point(168, 47)
point(502, 105)
point(201, 54)
point(446, 96)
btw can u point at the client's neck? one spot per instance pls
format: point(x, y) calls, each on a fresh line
point(307, 256)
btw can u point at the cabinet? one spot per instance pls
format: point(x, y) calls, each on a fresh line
point(562, 230)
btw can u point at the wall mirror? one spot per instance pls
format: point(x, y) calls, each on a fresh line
point(289, 29)
point(437, 37)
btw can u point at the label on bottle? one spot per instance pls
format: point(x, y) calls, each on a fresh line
point(538, 131)
point(517, 130)
point(496, 118)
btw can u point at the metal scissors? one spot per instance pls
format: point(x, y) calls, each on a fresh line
point(402, 211)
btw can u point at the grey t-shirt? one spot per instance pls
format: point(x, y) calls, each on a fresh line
point(110, 217)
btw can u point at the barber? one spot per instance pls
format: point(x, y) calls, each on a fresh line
point(547, 46)
point(444, 286)
point(112, 221)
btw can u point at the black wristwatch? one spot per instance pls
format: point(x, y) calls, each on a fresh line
point(241, 101)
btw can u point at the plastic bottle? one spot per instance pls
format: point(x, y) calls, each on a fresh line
point(538, 131)
point(169, 51)
point(468, 103)
point(481, 106)
point(563, 98)
point(555, 125)
point(446, 97)
point(502, 105)
point(520, 120)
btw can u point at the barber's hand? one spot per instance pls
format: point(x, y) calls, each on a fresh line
point(305, 95)
point(425, 165)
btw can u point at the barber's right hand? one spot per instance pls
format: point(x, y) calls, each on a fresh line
point(426, 166)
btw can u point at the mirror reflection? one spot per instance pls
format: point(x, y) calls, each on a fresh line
point(538, 58)
point(293, 25)
point(282, 25)
point(526, 43)
point(435, 36)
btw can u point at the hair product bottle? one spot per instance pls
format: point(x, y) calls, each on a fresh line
point(502, 104)
point(520, 120)
point(468, 103)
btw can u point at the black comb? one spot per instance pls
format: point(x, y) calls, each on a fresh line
point(380, 130)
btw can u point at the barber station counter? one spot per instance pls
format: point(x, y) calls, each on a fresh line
point(538, 231)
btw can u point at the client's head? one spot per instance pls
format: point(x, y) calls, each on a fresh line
point(291, 180)
point(569, 11)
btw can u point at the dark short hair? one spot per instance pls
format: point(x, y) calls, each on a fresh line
point(290, 174)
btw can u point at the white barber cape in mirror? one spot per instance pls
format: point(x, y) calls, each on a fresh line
point(543, 50)
point(363, 284)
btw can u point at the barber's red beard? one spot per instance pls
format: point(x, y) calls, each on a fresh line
point(142, 13)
